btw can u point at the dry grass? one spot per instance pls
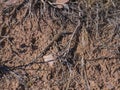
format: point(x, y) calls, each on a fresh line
point(86, 58)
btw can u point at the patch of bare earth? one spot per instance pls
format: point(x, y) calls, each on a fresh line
point(55, 45)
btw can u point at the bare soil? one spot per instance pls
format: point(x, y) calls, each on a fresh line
point(85, 57)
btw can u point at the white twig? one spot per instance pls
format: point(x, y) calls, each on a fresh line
point(69, 43)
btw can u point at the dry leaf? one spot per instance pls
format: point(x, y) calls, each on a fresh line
point(60, 3)
point(49, 58)
point(84, 35)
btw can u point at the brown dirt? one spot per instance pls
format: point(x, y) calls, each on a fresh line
point(90, 60)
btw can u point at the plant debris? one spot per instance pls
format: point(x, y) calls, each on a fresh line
point(60, 44)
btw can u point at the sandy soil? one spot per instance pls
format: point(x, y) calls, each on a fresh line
point(85, 57)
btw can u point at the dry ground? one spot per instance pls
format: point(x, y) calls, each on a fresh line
point(85, 57)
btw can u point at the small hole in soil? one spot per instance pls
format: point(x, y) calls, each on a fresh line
point(34, 47)
point(3, 70)
point(33, 40)
point(98, 67)
point(11, 39)
point(23, 45)
point(2, 44)
point(3, 31)
point(50, 76)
